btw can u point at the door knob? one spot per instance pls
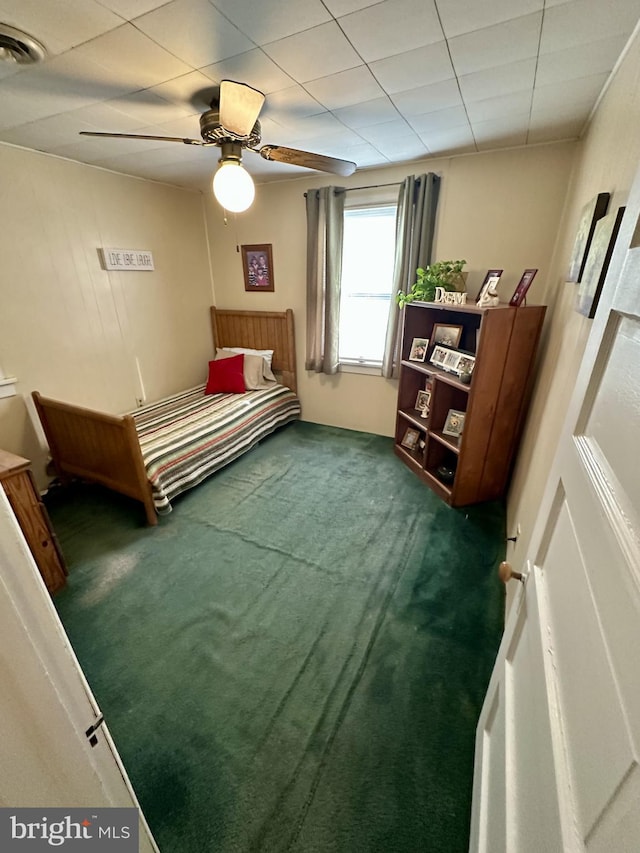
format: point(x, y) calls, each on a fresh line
point(505, 572)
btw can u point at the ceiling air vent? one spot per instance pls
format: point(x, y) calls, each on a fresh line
point(16, 46)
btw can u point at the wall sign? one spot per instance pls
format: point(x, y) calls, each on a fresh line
point(126, 259)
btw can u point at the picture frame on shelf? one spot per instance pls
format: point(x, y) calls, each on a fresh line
point(491, 279)
point(591, 213)
point(257, 265)
point(520, 293)
point(454, 424)
point(423, 401)
point(595, 270)
point(418, 351)
point(446, 334)
point(410, 439)
point(453, 361)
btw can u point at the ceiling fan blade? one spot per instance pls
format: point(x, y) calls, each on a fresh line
point(305, 158)
point(240, 106)
point(186, 141)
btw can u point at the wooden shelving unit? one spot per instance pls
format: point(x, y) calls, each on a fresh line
point(504, 341)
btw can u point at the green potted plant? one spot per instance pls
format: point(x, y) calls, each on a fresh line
point(445, 274)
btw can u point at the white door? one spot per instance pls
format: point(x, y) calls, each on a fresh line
point(558, 741)
point(46, 705)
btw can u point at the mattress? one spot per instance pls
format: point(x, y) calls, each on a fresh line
point(186, 437)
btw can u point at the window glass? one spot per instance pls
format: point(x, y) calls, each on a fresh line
point(367, 279)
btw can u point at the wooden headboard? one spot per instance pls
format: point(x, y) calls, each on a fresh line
point(259, 330)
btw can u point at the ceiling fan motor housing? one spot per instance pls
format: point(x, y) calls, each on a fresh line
point(212, 131)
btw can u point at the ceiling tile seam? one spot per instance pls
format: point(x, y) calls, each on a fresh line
point(457, 79)
point(366, 65)
point(535, 71)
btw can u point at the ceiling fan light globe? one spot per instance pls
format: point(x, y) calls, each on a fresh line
point(233, 187)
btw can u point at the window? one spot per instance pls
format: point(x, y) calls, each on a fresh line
point(367, 278)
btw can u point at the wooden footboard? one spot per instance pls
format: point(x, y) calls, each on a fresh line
point(97, 447)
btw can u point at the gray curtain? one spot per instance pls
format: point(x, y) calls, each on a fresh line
point(415, 224)
point(325, 209)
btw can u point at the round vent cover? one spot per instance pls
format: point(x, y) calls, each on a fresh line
point(16, 46)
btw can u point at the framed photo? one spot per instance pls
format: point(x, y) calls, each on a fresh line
point(523, 285)
point(448, 336)
point(452, 360)
point(454, 423)
point(491, 279)
point(423, 401)
point(410, 440)
point(595, 270)
point(418, 350)
point(257, 264)
point(591, 213)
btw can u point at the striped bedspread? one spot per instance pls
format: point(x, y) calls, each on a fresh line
point(189, 435)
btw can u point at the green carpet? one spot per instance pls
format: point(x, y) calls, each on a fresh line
point(296, 657)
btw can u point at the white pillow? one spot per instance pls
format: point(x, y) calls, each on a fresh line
point(267, 354)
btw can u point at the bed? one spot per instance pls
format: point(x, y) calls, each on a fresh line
point(156, 452)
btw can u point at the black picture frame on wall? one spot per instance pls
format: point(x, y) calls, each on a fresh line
point(595, 271)
point(591, 213)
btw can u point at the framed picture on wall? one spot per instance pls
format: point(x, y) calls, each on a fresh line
point(257, 264)
point(591, 213)
point(595, 270)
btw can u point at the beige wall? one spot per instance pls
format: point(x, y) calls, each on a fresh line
point(498, 209)
point(72, 330)
point(606, 161)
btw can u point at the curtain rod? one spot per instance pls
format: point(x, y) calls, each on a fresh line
point(370, 187)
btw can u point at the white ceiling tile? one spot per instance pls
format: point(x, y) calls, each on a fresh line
point(65, 83)
point(498, 45)
point(458, 139)
point(213, 39)
point(106, 117)
point(510, 128)
point(314, 53)
point(393, 26)
point(187, 126)
point(345, 88)
point(516, 103)
point(148, 108)
point(440, 120)
point(81, 20)
point(181, 90)
point(128, 9)
point(290, 104)
point(377, 111)
point(90, 149)
point(464, 17)
point(308, 128)
point(271, 20)
point(502, 140)
point(419, 67)
point(575, 62)
point(427, 99)
point(405, 147)
point(150, 159)
point(47, 133)
point(583, 21)
point(132, 58)
point(254, 68)
point(557, 129)
point(500, 80)
point(379, 133)
point(582, 91)
point(345, 7)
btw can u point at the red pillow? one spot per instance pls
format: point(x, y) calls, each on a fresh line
point(226, 376)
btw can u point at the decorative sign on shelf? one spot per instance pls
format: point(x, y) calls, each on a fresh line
point(450, 297)
point(126, 259)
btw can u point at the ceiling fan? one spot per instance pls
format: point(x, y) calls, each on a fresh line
point(231, 123)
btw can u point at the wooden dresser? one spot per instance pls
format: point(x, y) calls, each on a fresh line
point(19, 485)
